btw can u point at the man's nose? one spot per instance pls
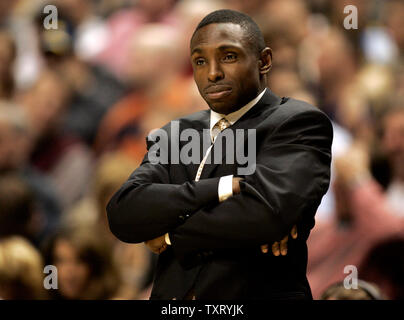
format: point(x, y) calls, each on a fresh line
point(215, 72)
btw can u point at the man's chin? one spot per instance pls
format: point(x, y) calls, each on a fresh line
point(220, 107)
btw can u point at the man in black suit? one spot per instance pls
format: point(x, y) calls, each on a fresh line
point(208, 222)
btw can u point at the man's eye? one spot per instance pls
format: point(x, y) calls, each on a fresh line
point(199, 62)
point(230, 57)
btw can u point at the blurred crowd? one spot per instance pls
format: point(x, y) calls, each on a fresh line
point(76, 103)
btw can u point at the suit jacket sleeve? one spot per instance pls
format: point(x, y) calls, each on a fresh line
point(292, 174)
point(148, 205)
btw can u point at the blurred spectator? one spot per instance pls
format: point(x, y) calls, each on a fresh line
point(107, 7)
point(90, 33)
point(384, 265)
point(21, 270)
point(285, 25)
point(342, 140)
point(83, 258)
point(363, 218)
point(364, 99)
point(134, 261)
point(285, 82)
point(393, 17)
point(7, 56)
point(378, 46)
point(15, 147)
point(93, 90)
point(190, 13)
point(336, 69)
point(124, 24)
point(15, 20)
point(63, 157)
point(381, 210)
point(6, 7)
point(393, 147)
point(152, 103)
point(365, 291)
point(18, 214)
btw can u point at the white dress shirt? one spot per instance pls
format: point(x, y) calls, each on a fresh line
point(225, 189)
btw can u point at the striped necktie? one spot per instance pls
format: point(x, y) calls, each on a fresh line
point(217, 128)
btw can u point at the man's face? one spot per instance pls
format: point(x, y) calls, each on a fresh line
point(226, 70)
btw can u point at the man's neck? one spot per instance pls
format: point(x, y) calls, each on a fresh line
point(236, 115)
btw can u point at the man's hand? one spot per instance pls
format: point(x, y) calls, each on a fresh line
point(157, 245)
point(280, 248)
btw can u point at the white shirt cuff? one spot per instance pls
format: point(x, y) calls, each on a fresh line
point(225, 189)
point(167, 239)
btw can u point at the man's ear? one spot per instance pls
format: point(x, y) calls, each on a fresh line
point(265, 60)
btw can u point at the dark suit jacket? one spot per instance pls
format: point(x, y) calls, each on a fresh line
point(216, 246)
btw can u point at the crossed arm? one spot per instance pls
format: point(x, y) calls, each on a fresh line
point(160, 244)
point(292, 174)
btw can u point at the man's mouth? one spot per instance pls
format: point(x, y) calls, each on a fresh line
point(217, 92)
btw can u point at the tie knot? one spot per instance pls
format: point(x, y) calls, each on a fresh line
point(222, 124)
point(219, 127)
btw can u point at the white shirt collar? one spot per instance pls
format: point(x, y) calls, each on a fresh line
point(236, 115)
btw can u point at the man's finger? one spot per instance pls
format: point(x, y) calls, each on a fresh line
point(284, 246)
point(293, 233)
point(264, 248)
point(275, 249)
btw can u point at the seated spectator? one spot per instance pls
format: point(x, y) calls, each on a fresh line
point(134, 261)
point(15, 147)
point(154, 55)
point(83, 258)
point(393, 148)
point(363, 218)
point(90, 33)
point(122, 25)
point(7, 56)
point(285, 25)
point(384, 265)
point(14, 144)
point(61, 156)
point(21, 270)
point(93, 89)
point(18, 215)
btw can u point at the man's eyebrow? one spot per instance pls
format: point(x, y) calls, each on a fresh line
point(221, 48)
point(196, 50)
point(228, 46)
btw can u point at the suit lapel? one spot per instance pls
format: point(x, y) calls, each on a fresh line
point(200, 123)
